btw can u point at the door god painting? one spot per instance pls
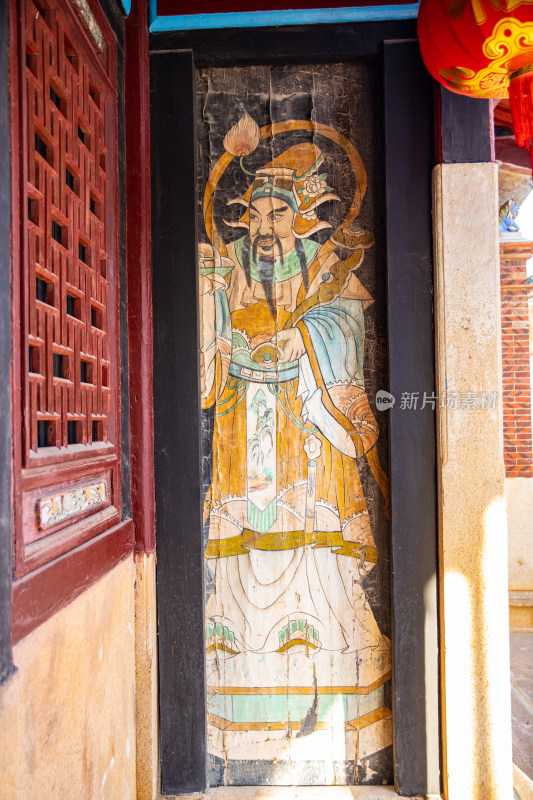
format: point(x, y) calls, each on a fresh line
point(292, 352)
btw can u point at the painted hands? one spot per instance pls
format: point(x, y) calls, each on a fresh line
point(208, 284)
point(212, 269)
point(290, 345)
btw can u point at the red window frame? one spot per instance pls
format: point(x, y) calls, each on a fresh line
point(55, 472)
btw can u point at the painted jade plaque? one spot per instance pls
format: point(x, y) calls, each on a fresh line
point(295, 461)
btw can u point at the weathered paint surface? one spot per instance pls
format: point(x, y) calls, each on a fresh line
point(67, 718)
point(292, 338)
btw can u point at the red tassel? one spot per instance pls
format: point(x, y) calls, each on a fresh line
point(521, 102)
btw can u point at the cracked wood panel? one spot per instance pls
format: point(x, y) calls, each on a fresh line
point(293, 350)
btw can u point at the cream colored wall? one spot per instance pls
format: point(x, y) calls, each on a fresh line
point(67, 718)
point(147, 699)
point(519, 493)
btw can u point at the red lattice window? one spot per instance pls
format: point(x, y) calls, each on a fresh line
point(68, 305)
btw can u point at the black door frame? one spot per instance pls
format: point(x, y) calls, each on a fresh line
point(408, 161)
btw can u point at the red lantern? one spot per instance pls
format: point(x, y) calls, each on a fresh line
point(483, 48)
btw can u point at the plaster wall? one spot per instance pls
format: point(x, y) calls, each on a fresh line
point(519, 494)
point(473, 582)
point(67, 717)
point(147, 699)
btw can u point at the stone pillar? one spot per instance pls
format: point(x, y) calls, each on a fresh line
point(474, 627)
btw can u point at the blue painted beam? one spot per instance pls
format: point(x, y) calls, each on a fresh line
point(258, 19)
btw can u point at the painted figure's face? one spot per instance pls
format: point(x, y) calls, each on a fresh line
point(271, 221)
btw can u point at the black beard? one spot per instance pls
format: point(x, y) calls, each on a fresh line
point(261, 257)
point(265, 265)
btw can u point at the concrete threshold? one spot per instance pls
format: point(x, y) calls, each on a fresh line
point(297, 793)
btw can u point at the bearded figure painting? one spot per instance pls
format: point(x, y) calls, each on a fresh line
point(297, 639)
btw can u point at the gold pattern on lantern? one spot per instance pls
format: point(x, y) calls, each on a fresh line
point(510, 40)
point(456, 8)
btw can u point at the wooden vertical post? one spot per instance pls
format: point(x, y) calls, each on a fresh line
point(412, 421)
point(140, 278)
point(177, 425)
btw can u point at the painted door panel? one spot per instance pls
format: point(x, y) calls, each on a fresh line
point(398, 267)
point(293, 351)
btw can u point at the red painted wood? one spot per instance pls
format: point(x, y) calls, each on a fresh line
point(60, 72)
point(42, 593)
point(43, 551)
point(139, 277)
point(165, 7)
point(77, 523)
point(77, 453)
point(502, 114)
point(505, 147)
point(43, 476)
point(19, 365)
point(55, 62)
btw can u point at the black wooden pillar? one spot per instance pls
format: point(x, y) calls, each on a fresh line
point(408, 155)
point(464, 128)
point(177, 426)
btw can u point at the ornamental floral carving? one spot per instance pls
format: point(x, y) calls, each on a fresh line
point(89, 19)
point(53, 510)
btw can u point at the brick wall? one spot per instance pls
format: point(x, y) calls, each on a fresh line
point(517, 433)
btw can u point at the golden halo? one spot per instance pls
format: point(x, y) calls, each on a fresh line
point(267, 132)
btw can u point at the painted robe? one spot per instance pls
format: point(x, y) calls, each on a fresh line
point(289, 531)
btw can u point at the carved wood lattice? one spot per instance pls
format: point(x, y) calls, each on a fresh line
point(67, 246)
